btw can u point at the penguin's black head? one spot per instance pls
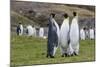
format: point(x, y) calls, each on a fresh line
point(65, 15)
point(52, 14)
point(74, 13)
point(19, 23)
point(84, 28)
point(90, 27)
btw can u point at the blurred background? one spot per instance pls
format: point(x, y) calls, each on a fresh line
point(37, 14)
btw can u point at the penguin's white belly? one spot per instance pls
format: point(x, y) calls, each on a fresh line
point(30, 31)
point(34, 31)
point(92, 34)
point(74, 33)
point(41, 32)
point(74, 37)
point(64, 36)
point(87, 34)
point(21, 27)
point(82, 34)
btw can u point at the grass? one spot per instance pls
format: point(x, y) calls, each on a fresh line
point(32, 51)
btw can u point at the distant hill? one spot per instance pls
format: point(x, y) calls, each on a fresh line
point(39, 12)
point(51, 7)
point(16, 18)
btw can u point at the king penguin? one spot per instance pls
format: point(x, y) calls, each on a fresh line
point(82, 34)
point(74, 36)
point(91, 31)
point(64, 35)
point(29, 30)
point(20, 29)
point(53, 36)
point(34, 31)
point(41, 32)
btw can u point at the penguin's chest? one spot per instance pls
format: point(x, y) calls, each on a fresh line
point(21, 27)
point(41, 31)
point(82, 33)
point(34, 30)
point(91, 32)
point(74, 32)
point(64, 31)
point(30, 30)
point(64, 34)
point(65, 27)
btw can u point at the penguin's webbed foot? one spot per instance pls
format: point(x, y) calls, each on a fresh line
point(62, 55)
point(66, 55)
point(72, 55)
point(47, 56)
point(75, 54)
point(50, 56)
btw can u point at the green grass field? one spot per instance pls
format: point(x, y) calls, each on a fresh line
point(32, 50)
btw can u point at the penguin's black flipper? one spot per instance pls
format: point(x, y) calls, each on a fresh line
point(75, 54)
point(51, 56)
point(68, 37)
point(68, 41)
point(47, 55)
point(66, 55)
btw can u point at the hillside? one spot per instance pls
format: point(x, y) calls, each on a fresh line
point(48, 7)
point(17, 18)
point(39, 12)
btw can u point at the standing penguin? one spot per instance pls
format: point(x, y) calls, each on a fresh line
point(20, 29)
point(34, 31)
point(91, 31)
point(82, 34)
point(74, 36)
point(53, 36)
point(41, 32)
point(64, 35)
point(29, 30)
point(87, 33)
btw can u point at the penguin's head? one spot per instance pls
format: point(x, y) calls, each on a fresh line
point(90, 27)
point(65, 15)
point(74, 14)
point(19, 23)
point(52, 15)
point(84, 28)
